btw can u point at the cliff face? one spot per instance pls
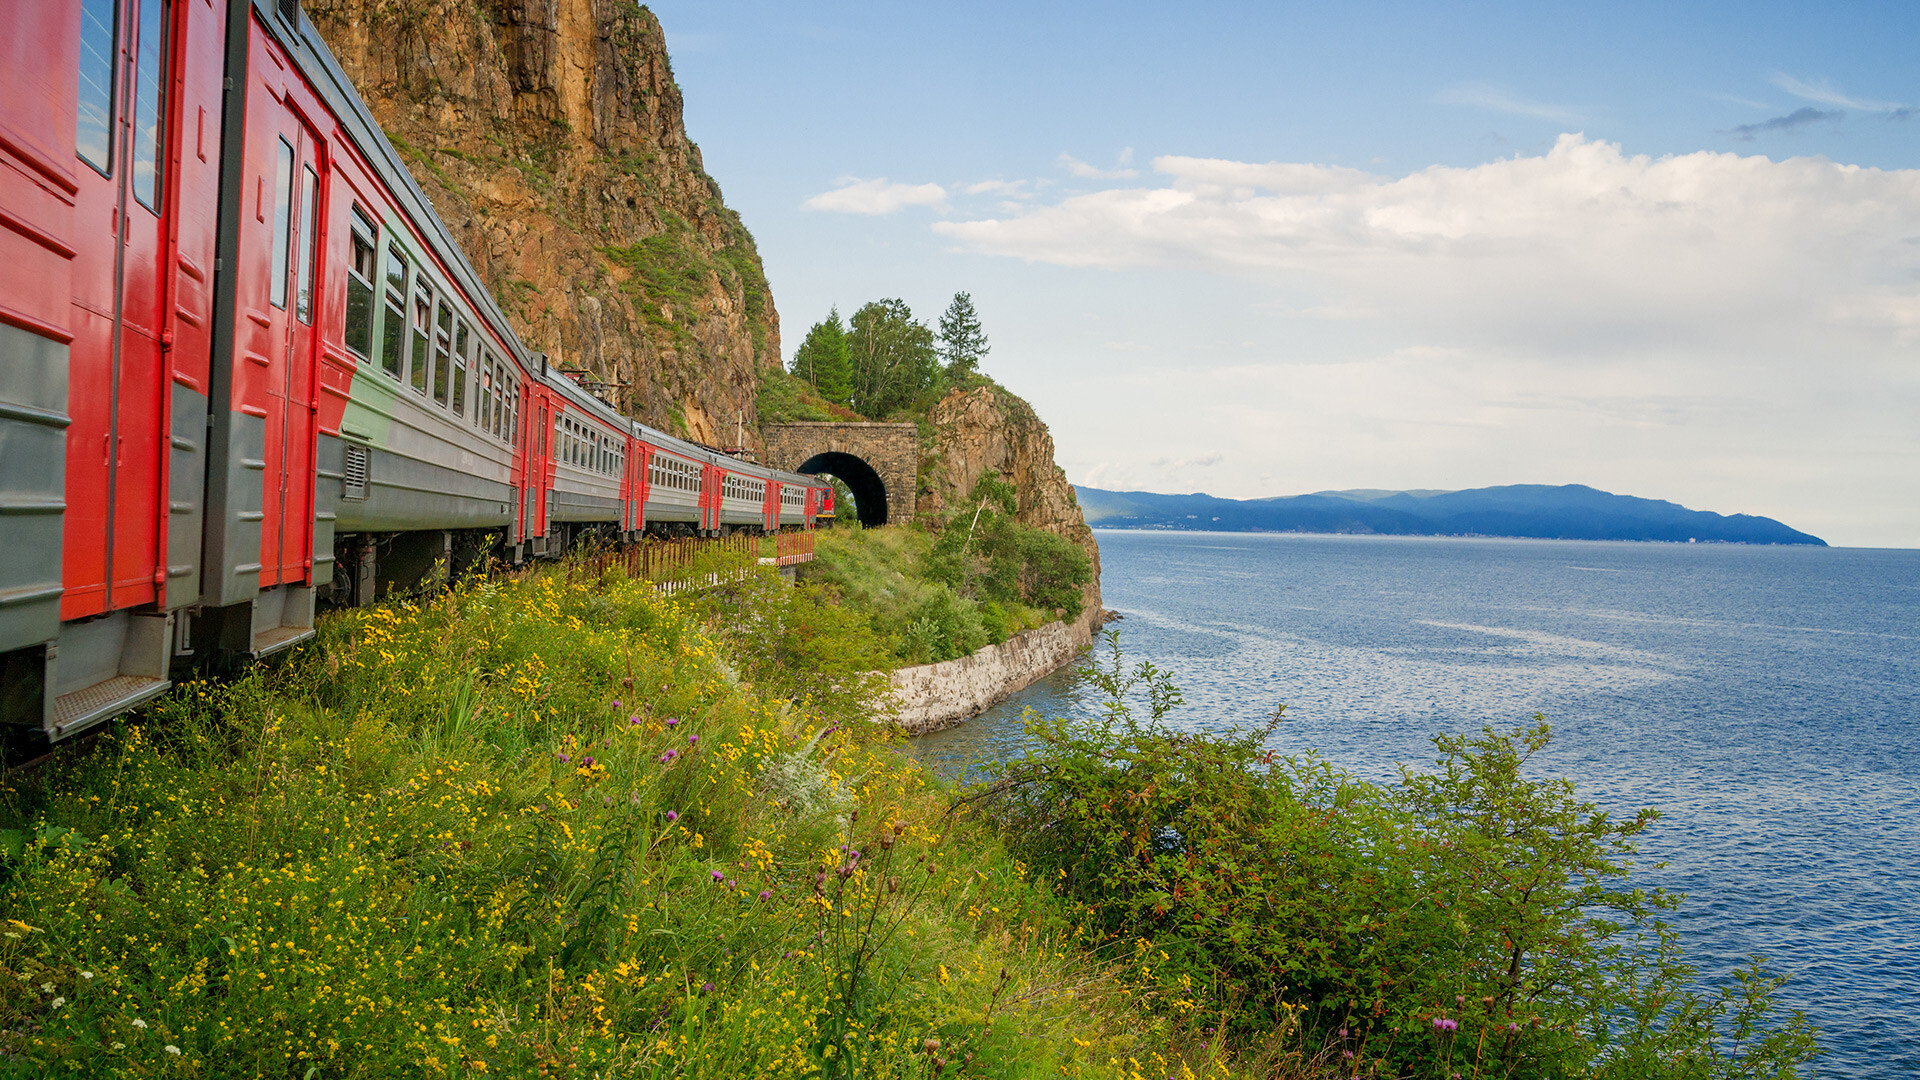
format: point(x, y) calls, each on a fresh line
point(548, 134)
point(987, 430)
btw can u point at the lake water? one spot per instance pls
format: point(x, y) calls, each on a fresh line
point(1765, 700)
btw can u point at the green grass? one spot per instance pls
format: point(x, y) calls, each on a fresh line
point(558, 825)
point(882, 573)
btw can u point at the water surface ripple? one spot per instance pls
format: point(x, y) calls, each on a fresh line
point(1765, 700)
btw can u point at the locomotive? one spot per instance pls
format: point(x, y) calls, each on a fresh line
point(246, 370)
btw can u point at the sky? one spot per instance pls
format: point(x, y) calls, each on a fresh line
point(1667, 250)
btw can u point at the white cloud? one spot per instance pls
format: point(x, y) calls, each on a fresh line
point(1122, 170)
point(1824, 93)
point(1578, 248)
point(1499, 99)
point(878, 196)
point(1011, 189)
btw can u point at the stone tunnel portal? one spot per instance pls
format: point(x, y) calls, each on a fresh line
point(869, 491)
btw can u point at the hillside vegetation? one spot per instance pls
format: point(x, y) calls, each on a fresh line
point(971, 580)
point(563, 825)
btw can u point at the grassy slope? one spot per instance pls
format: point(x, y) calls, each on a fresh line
point(540, 826)
point(881, 574)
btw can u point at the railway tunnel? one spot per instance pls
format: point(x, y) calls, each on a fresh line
point(879, 463)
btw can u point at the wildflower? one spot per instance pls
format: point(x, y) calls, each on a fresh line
point(172, 1049)
point(563, 757)
point(119, 1046)
point(59, 1001)
point(616, 704)
point(673, 815)
point(693, 740)
point(1441, 1023)
point(766, 894)
point(1513, 1027)
point(587, 762)
point(667, 758)
point(706, 988)
point(634, 719)
point(673, 721)
point(718, 876)
point(139, 1023)
point(86, 975)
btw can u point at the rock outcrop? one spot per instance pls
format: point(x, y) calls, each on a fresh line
point(986, 430)
point(548, 134)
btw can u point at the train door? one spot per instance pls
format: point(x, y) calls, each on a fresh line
point(539, 472)
point(286, 357)
point(116, 381)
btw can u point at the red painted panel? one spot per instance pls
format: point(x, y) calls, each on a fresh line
point(280, 243)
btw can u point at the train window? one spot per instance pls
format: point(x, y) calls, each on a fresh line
point(422, 327)
point(359, 331)
point(393, 325)
point(282, 225)
point(93, 130)
point(310, 201)
point(483, 392)
point(442, 341)
point(462, 342)
point(540, 437)
point(512, 409)
point(149, 102)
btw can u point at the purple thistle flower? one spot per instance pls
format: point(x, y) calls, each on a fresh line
point(673, 721)
point(673, 815)
point(693, 740)
point(706, 988)
point(616, 703)
point(634, 719)
point(766, 894)
point(563, 757)
point(718, 876)
point(587, 762)
point(1513, 1027)
point(730, 884)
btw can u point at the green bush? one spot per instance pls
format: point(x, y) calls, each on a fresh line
point(985, 553)
point(1469, 920)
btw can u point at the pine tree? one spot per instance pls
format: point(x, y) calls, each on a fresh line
point(962, 343)
point(824, 361)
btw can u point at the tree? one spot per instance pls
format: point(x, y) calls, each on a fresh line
point(894, 359)
point(962, 343)
point(824, 361)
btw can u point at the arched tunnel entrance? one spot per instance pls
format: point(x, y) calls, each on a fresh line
point(869, 491)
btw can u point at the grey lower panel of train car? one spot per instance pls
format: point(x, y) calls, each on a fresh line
point(234, 510)
point(658, 509)
point(381, 491)
point(186, 495)
point(565, 505)
point(33, 483)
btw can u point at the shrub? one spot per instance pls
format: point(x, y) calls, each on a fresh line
point(1470, 919)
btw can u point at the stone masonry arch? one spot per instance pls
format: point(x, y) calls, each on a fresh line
point(879, 462)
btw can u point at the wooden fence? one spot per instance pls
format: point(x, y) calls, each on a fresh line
point(670, 560)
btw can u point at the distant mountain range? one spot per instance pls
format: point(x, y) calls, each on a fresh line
point(1533, 511)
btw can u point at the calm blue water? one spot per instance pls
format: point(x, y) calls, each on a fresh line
point(1765, 700)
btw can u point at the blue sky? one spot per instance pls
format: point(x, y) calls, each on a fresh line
point(1268, 249)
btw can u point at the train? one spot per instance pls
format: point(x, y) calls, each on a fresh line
point(246, 371)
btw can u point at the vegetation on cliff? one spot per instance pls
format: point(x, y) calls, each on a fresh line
point(884, 364)
point(936, 594)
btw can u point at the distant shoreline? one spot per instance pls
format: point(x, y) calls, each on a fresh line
point(1512, 512)
point(1459, 536)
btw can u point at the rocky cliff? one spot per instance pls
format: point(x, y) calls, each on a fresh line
point(548, 134)
point(985, 429)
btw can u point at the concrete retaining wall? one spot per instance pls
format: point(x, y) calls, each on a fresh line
point(935, 696)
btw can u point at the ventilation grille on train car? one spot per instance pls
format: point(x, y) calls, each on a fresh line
point(356, 472)
point(290, 11)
